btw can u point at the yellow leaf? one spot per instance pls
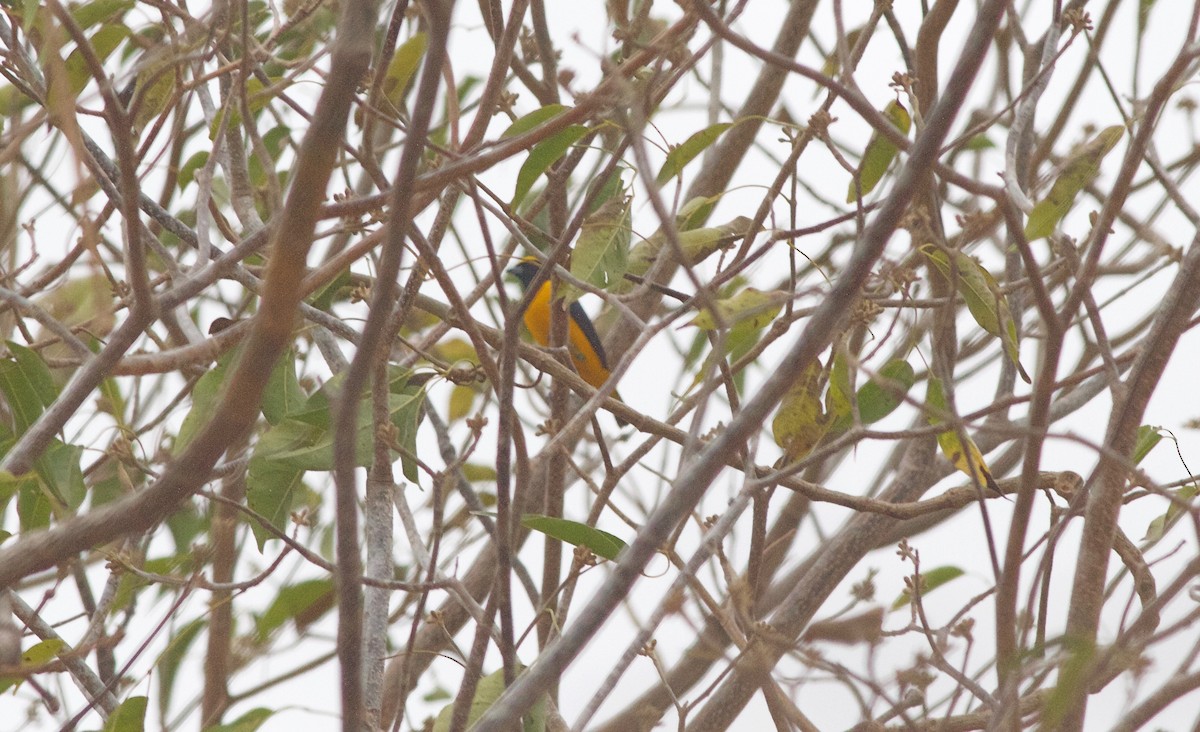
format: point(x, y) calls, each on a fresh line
point(1081, 169)
point(966, 457)
point(154, 86)
point(832, 63)
point(837, 399)
point(801, 421)
point(697, 244)
point(457, 349)
point(751, 306)
point(400, 71)
point(462, 398)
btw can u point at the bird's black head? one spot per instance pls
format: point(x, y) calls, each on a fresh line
point(524, 271)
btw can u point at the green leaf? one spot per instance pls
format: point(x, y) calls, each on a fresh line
point(259, 92)
point(130, 716)
point(453, 350)
point(477, 473)
point(753, 306)
point(407, 421)
point(979, 143)
point(878, 398)
point(80, 300)
point(155, 83)
point(695, 212)
point(404, 64)
point(602, 543)
point(739, 340)
point(42, 653)
point(283, 395)
point(601, 190)
point(487, 691)
point(324, 298)
point(317, 411)
point(982, 294)
point(97, 11)
point(438, 694)
point(170, 661)
point(466, 86)
point(39, 654)
point(27, 386)
point(11, 102)
point(306, 447)
point(1147, 437)
point(935, 397)
point(248, 722)
point(533, 119)
point(880, 153)
point(542, 156)
point(273, 490)
point(601, 254)
point(1081, 169)
point(33, 13)
point(681, 155)
point(741, 337)
point(35, 371)
point(103, 43)
point(185, 524)
point(801, 421)
point(930, 581)
point(1144, 8)
point(187, 173)
point(130, 584)
point(294, 603)
point(700, 244)
point(883, 393)
point(34, 506)
point(59, 470)
point(276, 140)
point(1074, 676)
point(113, 402)
point(273, 143)
point(9, 483)
point(1159, 526)
point(205, 399)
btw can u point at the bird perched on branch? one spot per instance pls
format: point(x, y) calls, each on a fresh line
point(587, 353)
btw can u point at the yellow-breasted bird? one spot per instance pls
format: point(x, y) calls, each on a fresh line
point(587, 353)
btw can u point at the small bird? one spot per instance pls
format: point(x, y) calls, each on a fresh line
point(587, 353)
